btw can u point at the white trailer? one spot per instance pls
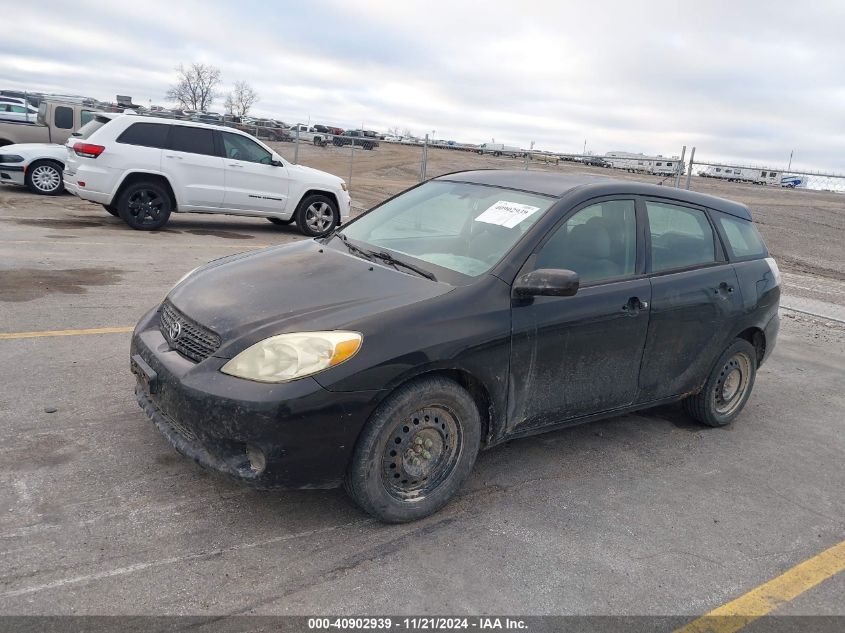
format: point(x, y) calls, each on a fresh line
point(753, 175)
point(643, 165)
point(499, 149)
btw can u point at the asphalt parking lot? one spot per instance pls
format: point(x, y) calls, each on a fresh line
point(646, 514)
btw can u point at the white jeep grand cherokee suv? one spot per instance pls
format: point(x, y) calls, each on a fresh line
point(142, 169)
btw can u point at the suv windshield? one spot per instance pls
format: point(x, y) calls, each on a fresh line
point(461, 227)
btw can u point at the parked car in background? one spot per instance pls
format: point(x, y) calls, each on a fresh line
point(55, 122)
point(36, 166)
point(142, 169)
point(17, 109)
point(207, 117)
point(472, 309)
point(265, 129)
point(356, 138)
point(595, 161)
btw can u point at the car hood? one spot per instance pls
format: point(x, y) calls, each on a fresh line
point(315, 175)
point(296, 287)
point(42, 149)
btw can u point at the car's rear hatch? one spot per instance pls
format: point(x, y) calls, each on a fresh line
point(82, 134)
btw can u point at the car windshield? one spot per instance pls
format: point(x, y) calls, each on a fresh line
point(462, 227)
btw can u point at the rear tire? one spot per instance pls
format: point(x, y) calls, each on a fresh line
point(316, 215)
point(111, 209)
point(281, 222)
point(144, 206)
point(415, 451)
point(44, 177)
point(728, 386)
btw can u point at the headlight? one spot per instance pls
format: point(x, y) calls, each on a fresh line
point(291, 356)
point(14, 158)
point(343, 185)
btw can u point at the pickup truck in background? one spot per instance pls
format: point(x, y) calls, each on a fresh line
point(309, 135)
point(357, 138)
point(56, 121)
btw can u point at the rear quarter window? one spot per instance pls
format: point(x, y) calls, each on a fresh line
point(194, 140)
point(89, 128)
point(742, 236)
point(145, 135)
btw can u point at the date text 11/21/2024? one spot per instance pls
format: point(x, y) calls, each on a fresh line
point(417, 623)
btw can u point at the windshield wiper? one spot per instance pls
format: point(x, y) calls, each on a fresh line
point(352, 248)
point(384, 256)
point(387, 258)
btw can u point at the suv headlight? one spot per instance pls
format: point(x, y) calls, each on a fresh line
point(14, 158)
point(288, 357)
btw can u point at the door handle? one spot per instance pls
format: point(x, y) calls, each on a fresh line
point(634, 306)
point(724, 288)
point(171, 156)
point(236, 165)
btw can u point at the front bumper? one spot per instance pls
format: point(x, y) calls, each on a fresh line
point(305, 433)
point(12, 175)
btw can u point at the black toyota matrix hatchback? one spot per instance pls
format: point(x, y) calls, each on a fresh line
point(474, 308)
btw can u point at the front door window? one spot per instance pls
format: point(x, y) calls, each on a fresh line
point(599, 242)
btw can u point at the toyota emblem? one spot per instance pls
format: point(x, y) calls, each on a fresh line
point(174, 330)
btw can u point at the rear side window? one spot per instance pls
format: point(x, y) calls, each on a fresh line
point(743, 238)
point(195, 140)
point(85, 116)
point(63, 117)
point(680, 237)
point(92, 126)
point(145, 135)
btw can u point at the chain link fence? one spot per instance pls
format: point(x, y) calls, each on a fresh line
point(768, 176)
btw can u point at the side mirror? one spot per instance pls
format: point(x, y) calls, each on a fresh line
point(277, 163)
point(547, 282)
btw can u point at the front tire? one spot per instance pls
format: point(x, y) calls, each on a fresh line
point(111, 209)
point(281, 222)
point(728, 386)
point(416, 451)
point(44, 177)
point(317, 215)
point(144, 206)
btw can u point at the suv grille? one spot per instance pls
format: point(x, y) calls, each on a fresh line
point(187, 337)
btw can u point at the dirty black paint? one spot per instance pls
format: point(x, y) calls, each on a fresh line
point(532, 363)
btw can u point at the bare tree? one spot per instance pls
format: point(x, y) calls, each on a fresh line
point(241, 99)
point(195, 87)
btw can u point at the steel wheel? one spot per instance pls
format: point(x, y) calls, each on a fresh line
point(732, 383)
point(421, 453)
point(146, 206)
point(319, 217)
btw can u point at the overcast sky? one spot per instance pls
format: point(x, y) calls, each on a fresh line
point(740, 80)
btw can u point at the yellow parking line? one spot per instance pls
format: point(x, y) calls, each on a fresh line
point(762, 600)
point(95, 330)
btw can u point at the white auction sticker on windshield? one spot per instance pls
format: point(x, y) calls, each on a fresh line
point(507, 214)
